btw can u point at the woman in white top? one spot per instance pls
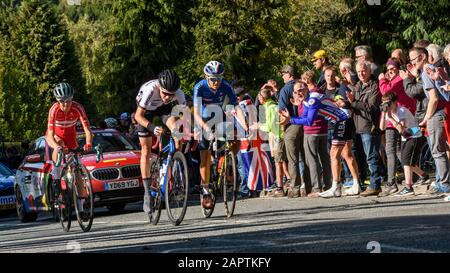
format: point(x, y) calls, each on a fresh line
point(412, 139)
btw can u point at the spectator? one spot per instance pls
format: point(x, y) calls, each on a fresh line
point(412, 140)
point(274, 88)
point(308, 78)
point(273, 128)
point(446, 84)
point(315, 145)
point(293, 135)
point(349, 77)
point(434, 116)
point(348, 74)
point(399, 55)
point(392, 82)
point(421, 44)
point(111, 123)
point(320, 61)
point(125, 122)
point(364, 99)
point(364, 53)
point(244, 102)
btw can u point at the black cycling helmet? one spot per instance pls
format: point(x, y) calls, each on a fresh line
point(63, 91)
point(169, 80)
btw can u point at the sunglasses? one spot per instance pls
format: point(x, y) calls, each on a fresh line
point(168, 94)
point(64, 101)
point(215, 79)
point(412, 60)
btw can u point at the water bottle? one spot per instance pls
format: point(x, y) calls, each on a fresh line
point(162, 172)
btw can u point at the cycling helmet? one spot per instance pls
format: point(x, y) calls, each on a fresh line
point(169, 80)
point(111, 123)
point(63, 91)
point(213, 68)
point(125, 116)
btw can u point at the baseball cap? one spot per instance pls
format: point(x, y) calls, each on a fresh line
point(319, 54)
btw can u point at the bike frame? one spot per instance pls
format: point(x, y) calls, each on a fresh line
point(169, 149)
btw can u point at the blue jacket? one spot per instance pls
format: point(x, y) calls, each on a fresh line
point(286, 93)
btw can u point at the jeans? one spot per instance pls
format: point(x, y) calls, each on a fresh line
point(243, 188)
point(371, 145)
point(393, 151)
point(438, 146)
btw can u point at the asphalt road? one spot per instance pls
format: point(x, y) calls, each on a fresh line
point(265, 225)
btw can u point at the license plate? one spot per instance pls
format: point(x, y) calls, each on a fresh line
point(111, 186)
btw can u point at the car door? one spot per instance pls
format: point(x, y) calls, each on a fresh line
point(30, 176)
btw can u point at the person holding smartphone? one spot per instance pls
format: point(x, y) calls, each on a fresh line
point(392, 82)
point(411, 137)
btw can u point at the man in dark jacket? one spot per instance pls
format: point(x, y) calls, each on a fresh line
point(365, 99)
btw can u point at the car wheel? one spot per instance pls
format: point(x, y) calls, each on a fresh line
point(116, 207)
point(24, 216)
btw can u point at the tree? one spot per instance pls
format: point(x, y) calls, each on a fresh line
point(35, 54)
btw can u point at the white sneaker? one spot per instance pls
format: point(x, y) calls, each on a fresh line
point(447, 198)
point(336, 192)
point(352, 191)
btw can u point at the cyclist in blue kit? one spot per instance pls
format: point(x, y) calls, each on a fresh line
point(213, 90)
point(315, 104)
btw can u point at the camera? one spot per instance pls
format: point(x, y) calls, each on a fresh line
point(384, 107)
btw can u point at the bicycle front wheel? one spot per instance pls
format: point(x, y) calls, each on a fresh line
point(155, 196)
point(64, 202)
point(176, 189)
point(229, 183)
point(83, 198)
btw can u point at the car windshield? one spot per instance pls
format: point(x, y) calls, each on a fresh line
point(4, 171)
point(109, 141)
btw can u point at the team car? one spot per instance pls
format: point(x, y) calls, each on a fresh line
point(7, 197)
point(116, 179)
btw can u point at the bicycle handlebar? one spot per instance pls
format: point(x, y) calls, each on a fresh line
point(60, 156)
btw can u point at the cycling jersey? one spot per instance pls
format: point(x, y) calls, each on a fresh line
point(203, 95)
point(149, 98)
point(63, 124)
point(318, 104)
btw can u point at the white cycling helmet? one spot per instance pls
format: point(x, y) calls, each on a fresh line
point(213, 68)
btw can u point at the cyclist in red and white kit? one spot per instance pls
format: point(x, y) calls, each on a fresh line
point(61, 131)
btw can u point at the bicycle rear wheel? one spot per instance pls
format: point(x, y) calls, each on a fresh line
point(155, 196)
point(64, 203)
point(229, 184)
point(83, 198)
point(176, 189)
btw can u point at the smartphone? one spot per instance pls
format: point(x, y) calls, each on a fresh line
point(403, 67)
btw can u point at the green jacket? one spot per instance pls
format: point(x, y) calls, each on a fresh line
point(272, 119)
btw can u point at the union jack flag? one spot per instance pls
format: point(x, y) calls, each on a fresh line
point(258, 165)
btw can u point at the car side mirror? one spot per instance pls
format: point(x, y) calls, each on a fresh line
point(35, 158)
